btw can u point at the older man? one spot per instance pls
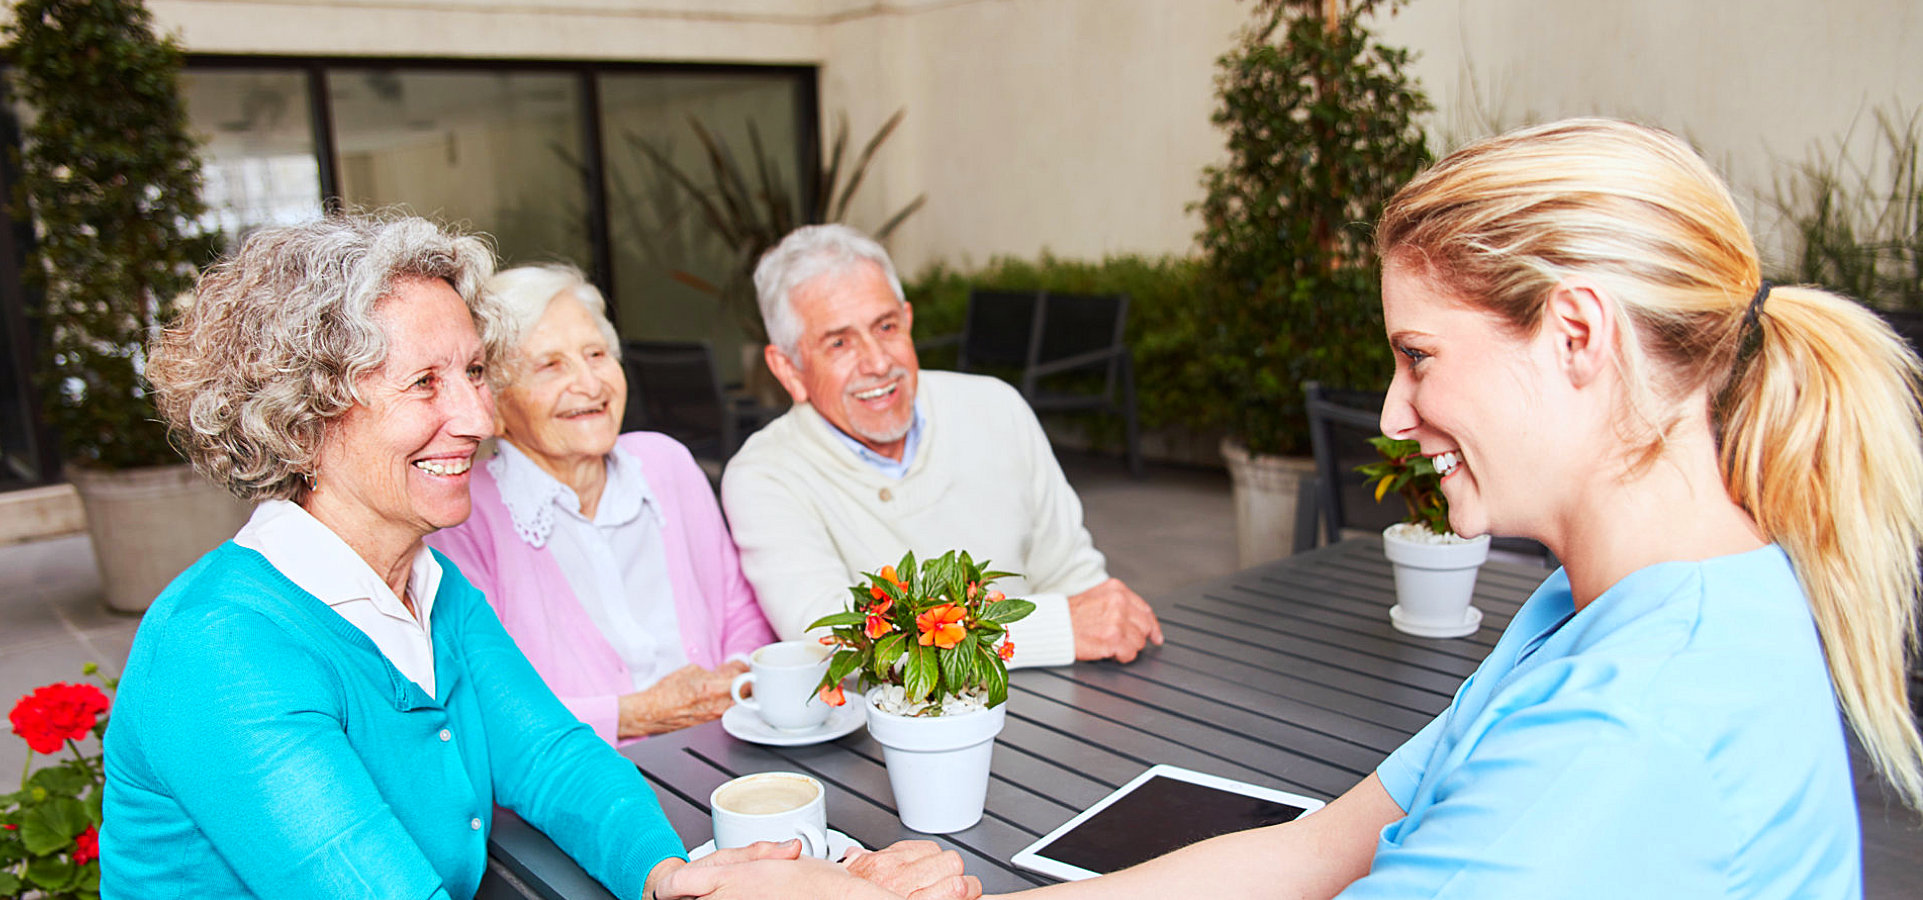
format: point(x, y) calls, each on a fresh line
point(877, 458)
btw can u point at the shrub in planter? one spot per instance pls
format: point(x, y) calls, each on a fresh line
point(1321, 126)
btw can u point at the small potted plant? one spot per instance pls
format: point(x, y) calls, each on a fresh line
point(932, 649)
point(50, 828)
point(1435, 569)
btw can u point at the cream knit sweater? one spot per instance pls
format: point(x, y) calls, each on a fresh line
point(810, 517)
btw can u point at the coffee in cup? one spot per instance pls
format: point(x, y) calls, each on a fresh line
point(771, 806)
point(786, 676)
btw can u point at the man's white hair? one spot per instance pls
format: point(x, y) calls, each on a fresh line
point(808, 253)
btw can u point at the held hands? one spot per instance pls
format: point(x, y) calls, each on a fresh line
point(917, 870)
point(688, 696)
point(1111, 620)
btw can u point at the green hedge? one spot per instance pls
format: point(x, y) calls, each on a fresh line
point(1170, 376)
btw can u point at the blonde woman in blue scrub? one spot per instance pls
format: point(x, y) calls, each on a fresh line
point(1732, 474)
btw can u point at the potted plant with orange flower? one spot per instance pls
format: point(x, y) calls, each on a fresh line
point(50, 828)
point(931, 646)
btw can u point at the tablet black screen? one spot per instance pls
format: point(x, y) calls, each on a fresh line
point(1161, 815)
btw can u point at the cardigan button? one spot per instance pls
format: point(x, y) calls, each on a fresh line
point(886, 495)
point(474, 824)
point(446, 735)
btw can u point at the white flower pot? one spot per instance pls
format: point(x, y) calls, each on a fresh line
point(149, 525)
point(1266, 489)
point(1435, 582)
point(937, 767)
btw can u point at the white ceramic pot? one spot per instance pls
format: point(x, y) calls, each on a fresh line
point(937, 767)
point(148, 525)
point(1435, 583)
point(1266, 489)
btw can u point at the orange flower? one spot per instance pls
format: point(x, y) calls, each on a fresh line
point(830, 640)
point(941, 626)
point(875, 591)
point(888, 572)
point(996, 596)
point(974, 587)
point(1006, 651)
point(881, 609)
point(833, 696)
point(877, 626)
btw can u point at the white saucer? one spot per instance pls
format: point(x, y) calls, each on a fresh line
point(838, 846)
point(1471, 620)
point(747, 725)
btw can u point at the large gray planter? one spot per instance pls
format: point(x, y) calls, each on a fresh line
point(148, 525)
point(1266, 491)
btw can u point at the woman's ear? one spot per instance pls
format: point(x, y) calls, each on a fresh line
point(1582, 321)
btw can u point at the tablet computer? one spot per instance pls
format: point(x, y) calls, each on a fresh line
point(1163, 809)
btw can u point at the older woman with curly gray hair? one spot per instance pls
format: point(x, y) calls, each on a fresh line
point(323, 707)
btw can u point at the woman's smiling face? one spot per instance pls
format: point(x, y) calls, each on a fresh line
point(1473, 394)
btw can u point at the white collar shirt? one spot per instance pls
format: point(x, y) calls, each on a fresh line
point(616, 563)
point(317, 561)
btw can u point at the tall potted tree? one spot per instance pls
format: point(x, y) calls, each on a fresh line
point(1321, 125)
point(110, 178)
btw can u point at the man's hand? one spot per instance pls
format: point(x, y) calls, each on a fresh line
point(1111, 620)
point(686, 697)
point(921, 870)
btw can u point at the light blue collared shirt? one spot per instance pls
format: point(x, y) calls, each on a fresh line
point(884, 465)
point(1676, 738)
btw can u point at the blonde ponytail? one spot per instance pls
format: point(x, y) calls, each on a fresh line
point(1817, 409)
point(1821, 444)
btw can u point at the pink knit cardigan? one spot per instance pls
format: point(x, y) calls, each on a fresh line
point(712, 600)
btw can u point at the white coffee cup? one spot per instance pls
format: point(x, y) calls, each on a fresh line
point(786, 677)
point(771, 806)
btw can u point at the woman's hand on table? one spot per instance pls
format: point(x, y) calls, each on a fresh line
point(918, 870)
point(686, 697)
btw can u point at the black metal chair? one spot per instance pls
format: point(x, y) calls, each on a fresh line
point(1064, 352)
point(1340, 425)
point(674, 388)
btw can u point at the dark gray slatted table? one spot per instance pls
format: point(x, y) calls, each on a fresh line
point(1286, 674)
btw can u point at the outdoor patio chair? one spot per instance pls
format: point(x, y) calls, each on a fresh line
point(1340, 425)
point(674, 388)
point(1064, 352)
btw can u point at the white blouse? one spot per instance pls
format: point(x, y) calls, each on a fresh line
point(317, 561)
point(616, 563)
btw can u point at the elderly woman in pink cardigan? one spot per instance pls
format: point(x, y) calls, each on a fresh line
point(604, 553)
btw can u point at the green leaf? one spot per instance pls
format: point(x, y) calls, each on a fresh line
point(9, 884)
point(62, 780)
point(957, 666)
point(905, 570)
point(838, 620)
point(918, 678)
point(51, 874)
point(53, 824)
point(887, 650)
point(845, 662)
point(997, 678)
point(1003, 612)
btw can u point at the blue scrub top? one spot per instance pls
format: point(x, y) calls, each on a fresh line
point(1678, 737)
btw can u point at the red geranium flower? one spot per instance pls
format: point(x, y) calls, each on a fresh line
point(57, 713)
point(86, 847)
point(833, 696)
point(1006, 650)
point(941, 626)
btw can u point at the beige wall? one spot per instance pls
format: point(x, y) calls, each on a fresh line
point(1081, 126)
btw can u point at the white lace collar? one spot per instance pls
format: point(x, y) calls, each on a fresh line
point(533, 497)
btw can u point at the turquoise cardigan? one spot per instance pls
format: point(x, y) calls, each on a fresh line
point(261, 746)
